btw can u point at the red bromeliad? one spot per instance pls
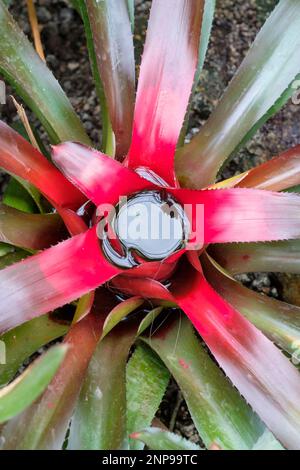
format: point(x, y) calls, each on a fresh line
point(185, 277)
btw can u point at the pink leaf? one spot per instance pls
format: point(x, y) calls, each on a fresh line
point(262, 374)
point(144, 287)
point(243, 215)
point(100, 177)
point(19, 158)
point(166, 78)
point(53, 278)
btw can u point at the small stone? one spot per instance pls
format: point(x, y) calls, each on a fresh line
point(52, 60)
point(73, 66)
point(66, 15)
point(43, 14)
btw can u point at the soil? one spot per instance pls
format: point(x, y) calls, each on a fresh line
point(235, 27)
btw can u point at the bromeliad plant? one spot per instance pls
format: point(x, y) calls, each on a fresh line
point(89, 393)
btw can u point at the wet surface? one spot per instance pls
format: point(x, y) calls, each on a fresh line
point(150, 224)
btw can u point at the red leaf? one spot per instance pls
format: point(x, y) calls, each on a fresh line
point(166, 78)
point(74, 223)
point(53, 278)
point(243, 215)
point(279, 321)
point(19, 158)
point(100, 177)
point(144, 287)
point(262, 374)
point(277, 174)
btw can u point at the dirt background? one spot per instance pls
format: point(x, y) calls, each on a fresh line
point(235, 27)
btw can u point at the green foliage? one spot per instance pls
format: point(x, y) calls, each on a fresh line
point(17, 396)
point(158, 439)
point(220, 414)
point(28, 74)
point(25, 340)
point(146, 382)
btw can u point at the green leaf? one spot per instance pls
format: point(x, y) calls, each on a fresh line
point(12, 257)
point(99, 421)
point(16, 196)
point(294, 189)
point(267, 442)
point(44, 424)
point(14, 398)
point(23, 341)
point(27, 73)
point(149, 319)
point(146, 382)
point(84, 306)
point(113, 45)
point(119, 312)
point(208, 16)
point(158, 439)
point(277, 257)
point(76, 5)
point(108, 144)
point(5, 249)
point(30, 231)
point(261, 86)
point(278, 104)
point(130, 6)
point(220, 414)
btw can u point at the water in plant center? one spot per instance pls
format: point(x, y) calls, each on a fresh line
point(150, 225)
